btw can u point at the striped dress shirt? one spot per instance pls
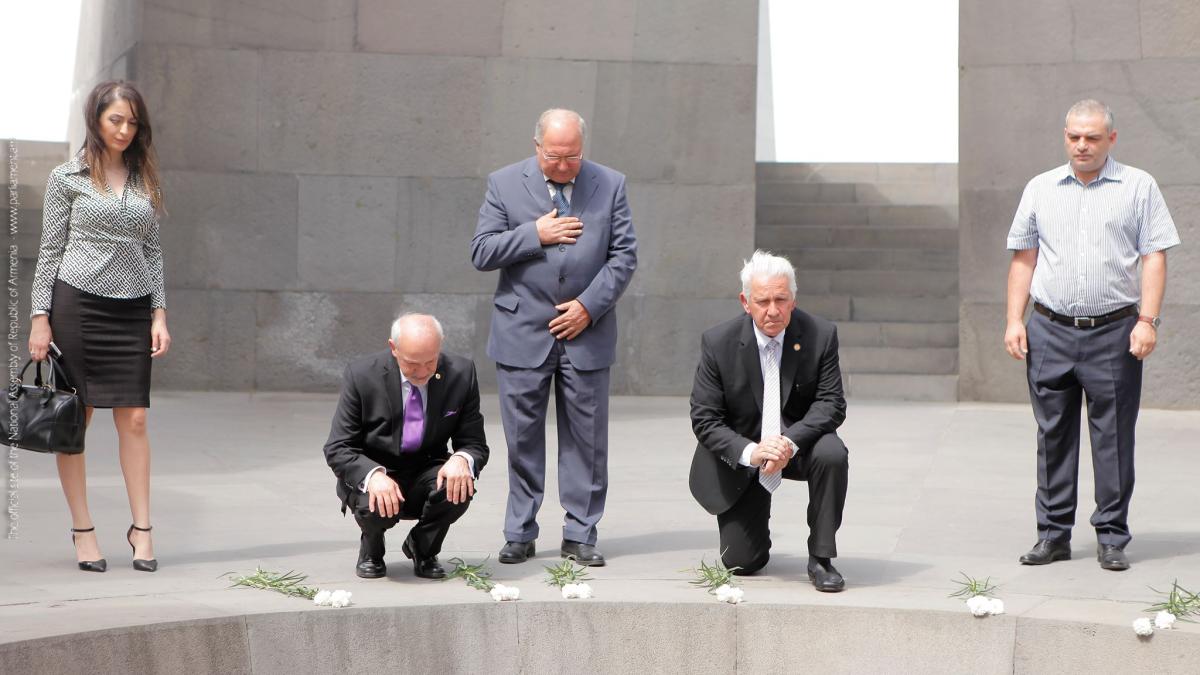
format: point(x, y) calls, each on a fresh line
point(1091, 237)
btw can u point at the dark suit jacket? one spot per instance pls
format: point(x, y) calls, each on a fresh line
point(727, 401)
point(370, 417)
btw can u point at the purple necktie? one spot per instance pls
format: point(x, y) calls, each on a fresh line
point(414, 422)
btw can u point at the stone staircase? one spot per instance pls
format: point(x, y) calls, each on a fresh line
point(876, 250)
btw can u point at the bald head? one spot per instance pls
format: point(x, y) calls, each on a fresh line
point(558, 143)
point(416, 343)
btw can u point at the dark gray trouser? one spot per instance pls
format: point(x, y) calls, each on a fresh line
point(581, 402)
point(745, 528)
point(1064, 364)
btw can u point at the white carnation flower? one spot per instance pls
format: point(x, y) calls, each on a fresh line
point(1142, 627)
point(995, 606)
point(571, 591)
point(730, 594)
point(340, 598)
point(1164, 620)
point(322, 598)
point(979, 605)
point(501, 592)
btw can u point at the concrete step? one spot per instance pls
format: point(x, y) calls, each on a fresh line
point(827, 306)
point(912, 309)
point(781, 193)
point(901, 387)
point(856, 173)
point(805, 193)
point(877, 282)
point(908, 360)
point(897, 334)
point(861, 215)
point(812, 258)
point(795, 237)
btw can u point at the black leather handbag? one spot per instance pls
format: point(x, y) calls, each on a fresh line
point(46, 416)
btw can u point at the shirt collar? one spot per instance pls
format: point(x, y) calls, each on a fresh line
point(762, 338)
point(1112, 170)
point(549, 180)
point(404, 381)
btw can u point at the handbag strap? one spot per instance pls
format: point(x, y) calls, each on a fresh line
point(58, 377)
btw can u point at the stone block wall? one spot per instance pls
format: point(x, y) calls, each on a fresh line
point(1023, 64)
point(325, 161)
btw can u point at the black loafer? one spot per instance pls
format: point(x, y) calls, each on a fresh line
point(370, 558)
point(583, 554)
point(824, 576)
point(516, 552)
point(426, 568)
point(1045, 552)
point(1112, 558)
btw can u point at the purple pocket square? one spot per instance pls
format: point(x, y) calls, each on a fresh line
point(450, 413)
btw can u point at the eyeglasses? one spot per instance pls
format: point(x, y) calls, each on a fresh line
point(555, 159)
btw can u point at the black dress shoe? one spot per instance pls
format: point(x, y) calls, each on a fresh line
point(1111, 557)
point(824, 576)
point(584, 554)
point(426, 568)
point(370, 557)
point(1045, 552)
point(516, 552)
point(89, 565)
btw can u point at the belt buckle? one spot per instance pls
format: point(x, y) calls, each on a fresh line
point(1080, 322)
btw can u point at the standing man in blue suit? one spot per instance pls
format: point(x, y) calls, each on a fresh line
point(558, 229)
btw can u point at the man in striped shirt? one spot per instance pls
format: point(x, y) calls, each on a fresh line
point(1077, 238)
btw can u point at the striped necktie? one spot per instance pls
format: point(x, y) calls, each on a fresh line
point(560, 199)
point(771, 415)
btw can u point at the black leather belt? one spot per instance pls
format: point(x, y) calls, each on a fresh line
point(1085, 321)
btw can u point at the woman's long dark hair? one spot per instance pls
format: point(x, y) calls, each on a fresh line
point(139, 156)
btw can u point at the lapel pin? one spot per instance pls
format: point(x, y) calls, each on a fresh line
point(796, 347)
point(439, 375)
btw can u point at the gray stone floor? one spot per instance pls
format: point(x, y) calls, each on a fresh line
point(239, 481)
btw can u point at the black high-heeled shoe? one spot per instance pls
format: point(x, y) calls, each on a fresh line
point(138, 564)
point(89, 565)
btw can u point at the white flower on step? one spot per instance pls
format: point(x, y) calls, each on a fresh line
point(340, 598)
point(1142, 627)
point(1164, 620)
point(572, 591)
point(501, 592)
point(322, 598)
point(731, 594)
point(995, 606)
point(979, 605)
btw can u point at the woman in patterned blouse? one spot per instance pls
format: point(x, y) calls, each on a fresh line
point(98, 293)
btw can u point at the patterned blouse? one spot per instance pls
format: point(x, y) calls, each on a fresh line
point(96, 241)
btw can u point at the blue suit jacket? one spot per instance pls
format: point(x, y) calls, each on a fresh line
point(596, 269)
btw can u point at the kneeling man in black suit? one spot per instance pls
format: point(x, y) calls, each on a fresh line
point(388, 444)
point(766, 404)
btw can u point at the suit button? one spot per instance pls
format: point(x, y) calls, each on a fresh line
point(562, 247)
point(561, 279)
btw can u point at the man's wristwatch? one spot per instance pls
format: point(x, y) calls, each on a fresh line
point(1152, 320)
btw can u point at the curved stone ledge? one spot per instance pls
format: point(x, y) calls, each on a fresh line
point(609, 637)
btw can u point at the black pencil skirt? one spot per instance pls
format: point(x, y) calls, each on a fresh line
point(105, 344)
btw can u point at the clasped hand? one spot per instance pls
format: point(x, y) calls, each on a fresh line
point(771, 454)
